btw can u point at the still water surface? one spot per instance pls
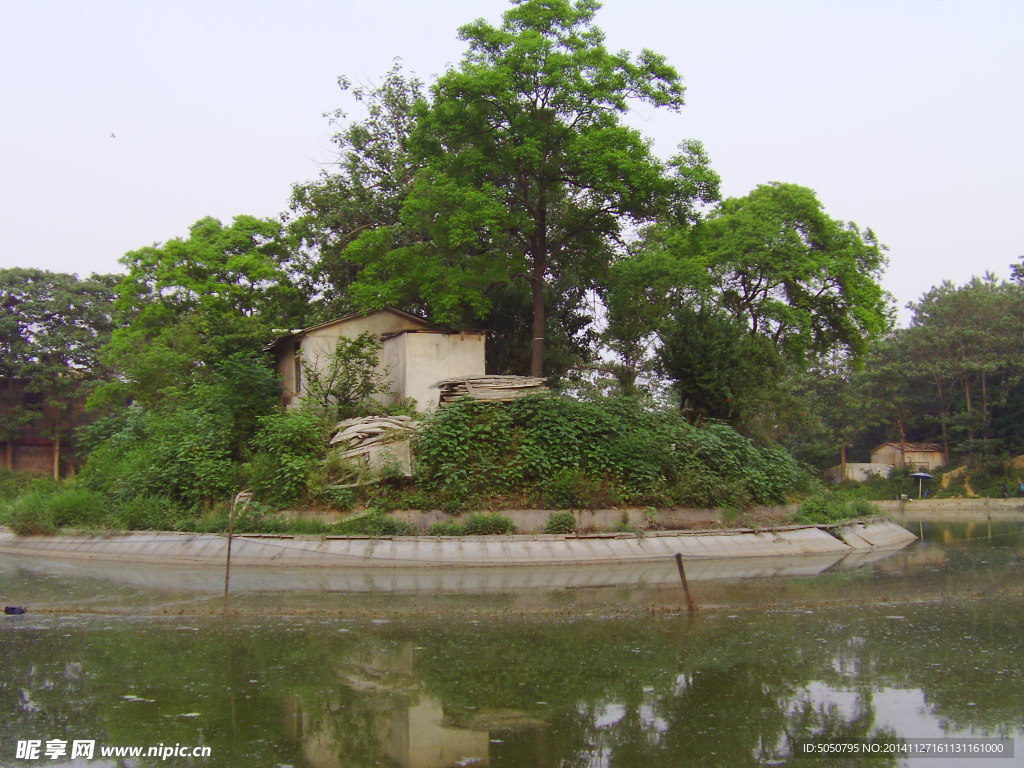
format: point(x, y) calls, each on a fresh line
point(926, 643)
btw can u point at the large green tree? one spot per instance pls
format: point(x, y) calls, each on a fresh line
point(967, 341)
point(526, 171)
point(717, 370)
point(797, 283)
point(794, 275)
point(190, 303)
point(52, 327)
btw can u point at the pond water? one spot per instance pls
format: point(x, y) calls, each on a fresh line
point(926, 643)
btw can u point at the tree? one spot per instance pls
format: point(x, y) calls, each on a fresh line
point(793, 275)
point(52, 326)
point(526, 172)
point(967, 341)
point(790, 276)
point(188, 304)
point(716, 368)
point(349, 378)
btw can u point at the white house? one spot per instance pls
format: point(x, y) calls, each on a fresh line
point(413, 354)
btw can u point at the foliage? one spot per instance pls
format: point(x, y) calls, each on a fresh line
point(715, 366)
point(965, 343)
point(792, 274)
point(470, 451)
point(29, 515)
point(44, 511)
point(187, 305)
point(288, 449)
point(52, 326)
point(537, 179)
point(187, 446)
point(570, 487)
point(342, 387)
point(13, 484)
point(476, 524)
point(446, 528)
point(833, 508)
point(484, 524)
point(561, 521)
point(954, 377)
point(795, 283)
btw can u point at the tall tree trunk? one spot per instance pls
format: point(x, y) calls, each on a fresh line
point(539, 254)
point(984, 406)
point(537, 354)
point(943, 414)
point(967, 403)
point(56, 457)
point(842, 462)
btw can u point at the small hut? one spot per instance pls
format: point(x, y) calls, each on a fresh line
point(920, 457)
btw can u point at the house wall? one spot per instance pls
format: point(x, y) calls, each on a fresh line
point(858, 472)
point(416, 360)
point(32, 456)
point(428, 357)
point(316, 345)
point(925, 460)
point(412, 359)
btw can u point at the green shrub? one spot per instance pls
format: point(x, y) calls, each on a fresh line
point(29, 515)
point(446, 528)
point(289, 448)
point(374, 523)
point(13, 484)
point(561, 521)
point(483, 524)
point(152, 513)
point(181, 450)
point(585, 452)
point(385, 525)
point(41, 511)
point(78, 507)
point(827, 507)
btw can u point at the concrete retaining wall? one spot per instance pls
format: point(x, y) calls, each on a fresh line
point(951, 509)
point(462, 551)
point(533, 520)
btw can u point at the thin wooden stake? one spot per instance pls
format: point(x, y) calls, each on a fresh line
point(690, 605)
point(244, 497)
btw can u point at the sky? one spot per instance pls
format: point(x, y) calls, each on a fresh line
point(128, 120)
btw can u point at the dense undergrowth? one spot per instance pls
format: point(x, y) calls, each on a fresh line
point(178, 471)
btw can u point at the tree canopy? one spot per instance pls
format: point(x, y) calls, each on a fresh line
point(525, 169)
point(190, 303)
point(52, 327)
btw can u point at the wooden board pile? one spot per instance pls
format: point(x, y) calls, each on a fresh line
point(361, 434)
point(380, 443)
point(494, 388)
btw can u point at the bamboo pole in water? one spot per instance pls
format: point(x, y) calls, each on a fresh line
point(690, 605)
point(244, 497)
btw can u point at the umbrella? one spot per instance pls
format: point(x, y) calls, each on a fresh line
point(921, 477)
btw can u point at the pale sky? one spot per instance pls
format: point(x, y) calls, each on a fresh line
point(904, 115)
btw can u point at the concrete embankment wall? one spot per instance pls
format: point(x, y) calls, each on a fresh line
point(442, 551)
point(954, 509)
point(533, 520)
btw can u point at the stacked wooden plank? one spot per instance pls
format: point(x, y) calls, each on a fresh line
point(381, 443)
point(494, 388)
point(361, 434)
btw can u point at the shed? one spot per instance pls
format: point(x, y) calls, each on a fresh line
point(31, 440)
point(919, 456)
point(414, 355)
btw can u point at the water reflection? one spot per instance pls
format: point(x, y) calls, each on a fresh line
point(722, 688)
